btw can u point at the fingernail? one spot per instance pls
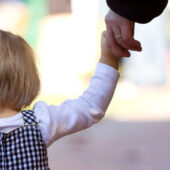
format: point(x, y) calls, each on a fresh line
point(139, 48)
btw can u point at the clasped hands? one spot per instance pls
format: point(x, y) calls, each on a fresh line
point(120, 35)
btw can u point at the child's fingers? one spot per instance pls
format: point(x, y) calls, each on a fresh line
point(103, 37)
point(103, 40)
point(104, 45)
point(104, 34)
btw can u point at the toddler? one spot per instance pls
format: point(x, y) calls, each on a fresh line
point(25, 135)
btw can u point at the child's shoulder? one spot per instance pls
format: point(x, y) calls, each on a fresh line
point(40, 105)
point(41, 109)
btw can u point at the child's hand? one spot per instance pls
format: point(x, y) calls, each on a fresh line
point(106, 55)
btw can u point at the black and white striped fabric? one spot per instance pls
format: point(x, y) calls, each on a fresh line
point(23, 148)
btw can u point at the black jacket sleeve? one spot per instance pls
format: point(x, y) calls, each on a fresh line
point(141, 11)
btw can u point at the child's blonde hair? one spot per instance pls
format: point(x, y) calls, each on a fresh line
point(19, 79)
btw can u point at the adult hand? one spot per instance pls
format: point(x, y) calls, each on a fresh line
point(120, 35)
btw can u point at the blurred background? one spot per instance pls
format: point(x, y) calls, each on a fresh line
point(65, 35)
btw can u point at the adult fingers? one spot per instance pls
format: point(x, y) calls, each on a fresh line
point(115, 48)
point(118, 37)
point(128, 41)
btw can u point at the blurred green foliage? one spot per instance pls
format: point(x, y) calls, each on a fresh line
point(37, 10)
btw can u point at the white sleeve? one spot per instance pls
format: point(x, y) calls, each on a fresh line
point(74, 115)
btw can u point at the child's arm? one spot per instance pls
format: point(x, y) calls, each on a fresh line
point(81, 113)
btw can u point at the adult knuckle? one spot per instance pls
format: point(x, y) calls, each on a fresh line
point(109, 19)
point(127, 38)
point(121, 42)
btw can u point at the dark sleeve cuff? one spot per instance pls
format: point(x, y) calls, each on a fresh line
point(141, 11)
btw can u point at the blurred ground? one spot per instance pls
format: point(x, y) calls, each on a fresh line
point(112, 145)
